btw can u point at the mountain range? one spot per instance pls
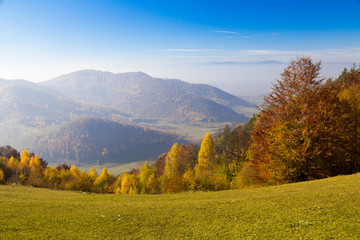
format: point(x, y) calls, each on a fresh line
point(48, 116)
point(147, 97)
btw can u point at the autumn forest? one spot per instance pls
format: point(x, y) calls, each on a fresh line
point(307, 128)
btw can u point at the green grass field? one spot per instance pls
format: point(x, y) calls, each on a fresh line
point(322, 209)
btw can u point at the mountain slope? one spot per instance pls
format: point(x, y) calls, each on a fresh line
point(209, 92)
point(28, 109)
point(22, 103)
point(148, 97)
point(97, 140)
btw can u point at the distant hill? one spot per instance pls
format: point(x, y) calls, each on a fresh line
point(94, 140)
point(31, 111)
point(147, 97)
point(32, 105)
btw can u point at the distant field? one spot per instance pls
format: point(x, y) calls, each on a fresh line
point(10, 133)
point(113, 168)
point(323, 209)
point(191, 131)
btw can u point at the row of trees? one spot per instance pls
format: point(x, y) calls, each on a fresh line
point(183, 168)
point(307, 128)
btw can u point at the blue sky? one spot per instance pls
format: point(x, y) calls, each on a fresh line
point(239, 46)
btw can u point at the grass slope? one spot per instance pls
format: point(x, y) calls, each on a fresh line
point(323, 209)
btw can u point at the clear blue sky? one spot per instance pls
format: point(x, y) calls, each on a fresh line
point(240, 46)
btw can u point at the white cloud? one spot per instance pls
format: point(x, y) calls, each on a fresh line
point(325, 55)
point(244, 62)
point(261, 56)
point(226, 32)
point(191, 50)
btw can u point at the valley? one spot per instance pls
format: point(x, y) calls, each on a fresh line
point(32, 115)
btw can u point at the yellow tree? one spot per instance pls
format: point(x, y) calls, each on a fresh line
point(144, 175)
point(85, 182)
point(117, 185)
point(206, 167)
point(129, 184)
point(2, 177)
point(36, 171)
point(74, 178)
point(13, 164)
point(66, 179)
point(25, 158)
point(51, 177)
point(24, 166)
point(152, 184)
point(172, 162)
point(93, 174)
point(74, 171)
point(104, 181)
point(206, 152)
point(172, 180)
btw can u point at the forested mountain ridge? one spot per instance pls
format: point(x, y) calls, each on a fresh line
point(147, 97)
point(95, 140)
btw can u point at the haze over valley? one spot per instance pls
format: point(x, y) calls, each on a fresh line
point(94, 117)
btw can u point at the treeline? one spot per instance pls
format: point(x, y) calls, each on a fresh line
point(307, 128)
point(212, 166)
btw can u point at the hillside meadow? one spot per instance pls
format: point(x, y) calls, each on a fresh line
point(321, 209)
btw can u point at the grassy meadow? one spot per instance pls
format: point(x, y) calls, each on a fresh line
point(321, 209)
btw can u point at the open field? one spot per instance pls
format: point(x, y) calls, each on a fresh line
point(190, 131)
point(323, 209)
point(113, 168)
